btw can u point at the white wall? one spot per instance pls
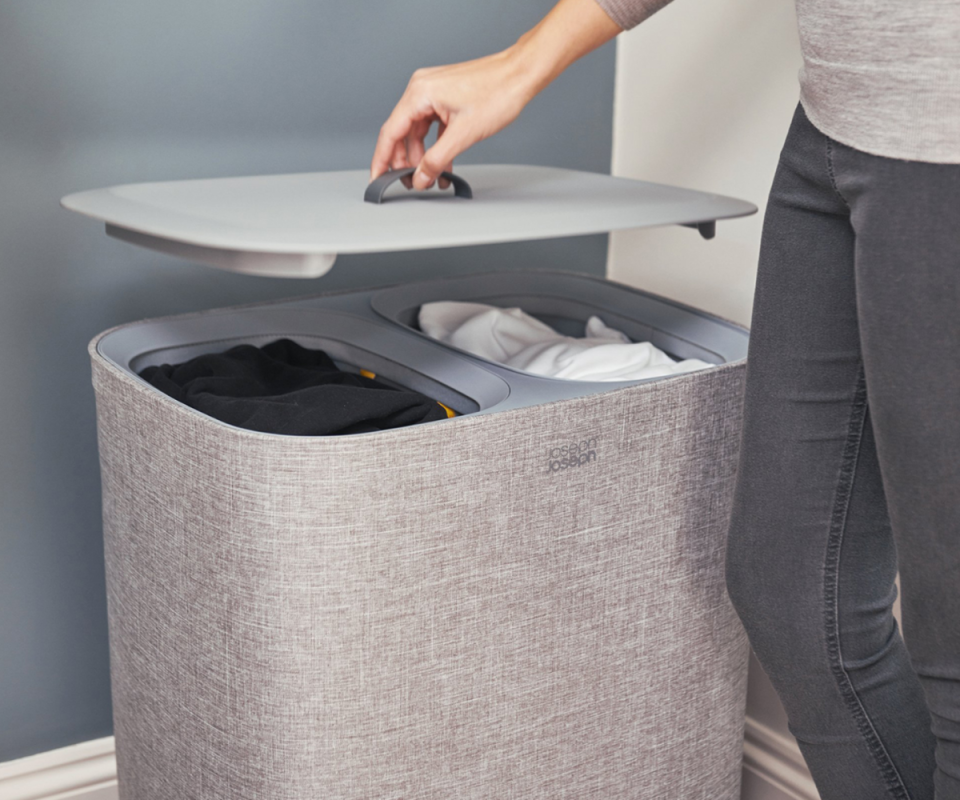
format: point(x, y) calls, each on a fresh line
point(704, 94)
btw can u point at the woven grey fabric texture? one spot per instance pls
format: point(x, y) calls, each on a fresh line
point(630, 13)
point(428, 613)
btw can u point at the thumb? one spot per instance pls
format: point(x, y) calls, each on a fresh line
point(450, 144)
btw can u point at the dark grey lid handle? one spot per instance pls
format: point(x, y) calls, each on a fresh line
point(376, 189)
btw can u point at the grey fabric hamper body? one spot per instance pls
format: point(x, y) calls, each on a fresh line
point(434, 612)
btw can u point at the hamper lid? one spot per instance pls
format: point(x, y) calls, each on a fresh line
point(295, 225)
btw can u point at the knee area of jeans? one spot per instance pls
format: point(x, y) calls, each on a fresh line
point(752, 577)
point(753, 598)
point(760, 566)
point(782, 624)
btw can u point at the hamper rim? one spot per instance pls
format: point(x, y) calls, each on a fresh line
point(138, 384)
point(614, 384)
point(725, 321)
point(645, 384)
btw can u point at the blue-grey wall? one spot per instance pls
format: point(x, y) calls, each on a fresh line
point(98, 92)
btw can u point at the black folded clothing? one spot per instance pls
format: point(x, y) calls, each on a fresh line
point(285, 388)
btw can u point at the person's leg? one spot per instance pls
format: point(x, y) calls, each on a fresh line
point(811, 561)
point(906, 217)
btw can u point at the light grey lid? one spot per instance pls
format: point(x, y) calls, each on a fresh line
point(295, 225)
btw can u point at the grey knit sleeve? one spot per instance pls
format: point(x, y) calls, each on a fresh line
point(630, 13)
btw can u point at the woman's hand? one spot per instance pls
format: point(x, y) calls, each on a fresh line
point(468, 101)
point(473, 100)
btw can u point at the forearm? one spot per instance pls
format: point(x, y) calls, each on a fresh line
point(473, 100)
point(572, 29)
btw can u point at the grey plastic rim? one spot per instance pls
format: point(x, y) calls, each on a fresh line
point(566, 300)
point(459, 383)
point(370, 329)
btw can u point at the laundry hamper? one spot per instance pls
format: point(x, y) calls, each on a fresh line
point(525, 601)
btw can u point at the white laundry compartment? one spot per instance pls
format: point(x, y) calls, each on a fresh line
point(566, 301)
point(523, 601)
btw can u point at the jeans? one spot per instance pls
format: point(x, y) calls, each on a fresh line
point(850, 467)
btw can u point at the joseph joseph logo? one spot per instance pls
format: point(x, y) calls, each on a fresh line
point(572, 455)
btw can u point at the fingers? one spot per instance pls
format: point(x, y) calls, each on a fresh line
point(470, 101)
point(451, 143)
point(391, 134)
point(399, 158)
point(414, 145)
point(443, 183)
point(399, 125)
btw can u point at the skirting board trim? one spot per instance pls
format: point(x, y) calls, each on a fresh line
point(88, 771)
point(776, 759)
point(85, 771)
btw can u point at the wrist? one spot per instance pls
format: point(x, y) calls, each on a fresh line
point(571, 30)
point(532, 64)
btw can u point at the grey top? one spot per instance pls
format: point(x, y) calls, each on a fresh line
point(882, 76)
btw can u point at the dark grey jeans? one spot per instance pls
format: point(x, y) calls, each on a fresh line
point(851, 455)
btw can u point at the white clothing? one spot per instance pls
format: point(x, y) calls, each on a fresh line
point(512, 337)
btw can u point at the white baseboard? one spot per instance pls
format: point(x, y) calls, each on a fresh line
point(85, 771)
point(774, 761)
point(88, 771)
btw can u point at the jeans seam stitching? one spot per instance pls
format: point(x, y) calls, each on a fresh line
point(832, 174)
point(838, 521)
